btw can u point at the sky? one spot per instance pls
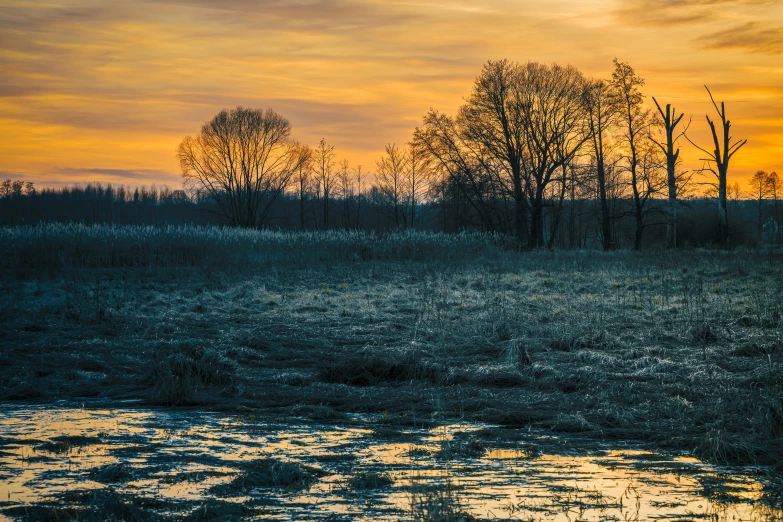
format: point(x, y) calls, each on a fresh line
point(98, 90)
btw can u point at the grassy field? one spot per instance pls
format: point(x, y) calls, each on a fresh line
point(683, 350)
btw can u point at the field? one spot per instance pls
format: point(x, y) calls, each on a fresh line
point(679, 350)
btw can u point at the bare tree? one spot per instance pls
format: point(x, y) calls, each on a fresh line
point(345, 186)
point(464, 168)
point(528, 122)
point(774, 183)
point(418, 176)
point(323, 164)
point(493, 118)
point(603, 114)
point(759, 190)
point(243, 159)
point(725, 148)
point(551, 100)
point(391, 180)
point(359, 196)
point(627, 85)
point(303, 181)
point(669, 120)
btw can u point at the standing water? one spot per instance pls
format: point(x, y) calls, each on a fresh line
point(130, 464)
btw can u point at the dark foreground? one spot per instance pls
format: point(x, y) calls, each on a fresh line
point(681, 352)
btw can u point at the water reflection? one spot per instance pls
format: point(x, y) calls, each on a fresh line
point(184, 459)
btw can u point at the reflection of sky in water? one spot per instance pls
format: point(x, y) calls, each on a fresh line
point(180, 455)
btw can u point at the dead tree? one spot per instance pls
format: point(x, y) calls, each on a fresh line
point(725, 148)
point(670, 121)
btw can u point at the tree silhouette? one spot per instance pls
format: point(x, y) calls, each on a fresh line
point(725, 148)
point(243, 159)
point(669, 120)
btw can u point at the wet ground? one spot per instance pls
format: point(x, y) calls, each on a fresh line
point(64, 462)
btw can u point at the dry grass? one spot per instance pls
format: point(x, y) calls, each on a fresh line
point(680, 349)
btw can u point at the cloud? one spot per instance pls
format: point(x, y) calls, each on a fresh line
point(667, 13)
point(109, 175)
point(749, 37)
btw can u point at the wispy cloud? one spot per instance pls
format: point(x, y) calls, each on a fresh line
point(680, 12)
point(124, 175)
point(750, 37)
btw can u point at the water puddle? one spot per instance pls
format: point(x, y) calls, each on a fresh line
point(123, 463)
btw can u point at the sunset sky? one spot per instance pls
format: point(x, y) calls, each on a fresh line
point(105, 90)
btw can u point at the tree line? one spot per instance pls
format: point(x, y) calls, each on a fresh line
point(539, 152)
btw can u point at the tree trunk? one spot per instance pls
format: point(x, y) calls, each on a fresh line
point(536, 238)
point(639, 228)
point(520, 213)
point(723, 213)
point(606, 219)
point(558, 213)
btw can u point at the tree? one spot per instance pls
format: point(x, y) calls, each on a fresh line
point(345, 186)
point(627, 85)
point(759, 190)
point(669, 120)
point(359, 196)
point(418, 177)
point(602, 110)
point(526, 121)
point(493, 118)
point(323, 160)
point(552, 101)
point(303, 181)
point(773, 183)
point(467, 175)
point(243, 159)
point(391, 180)
point(725, 149)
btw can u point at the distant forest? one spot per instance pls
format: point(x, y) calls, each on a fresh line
point(540, 153)
point(575, 224)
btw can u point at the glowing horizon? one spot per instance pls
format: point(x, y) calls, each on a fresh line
point(104, 91)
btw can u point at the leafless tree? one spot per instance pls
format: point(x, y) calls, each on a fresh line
point(345, 186)
point(493, 118)
point(391, 180)
point(303, 181)
point(760, 190)
point(243, 159)
point(774, 183)
point(359, 195)
point(603, 114)
point(529, 121)
point(725, 148)
point(669, 120)
point(551, 100)
point(462, 166)
point(418, 176)
point(323, 165)
point(634, 117)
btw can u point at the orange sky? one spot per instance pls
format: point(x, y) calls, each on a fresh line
point(105, 90)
